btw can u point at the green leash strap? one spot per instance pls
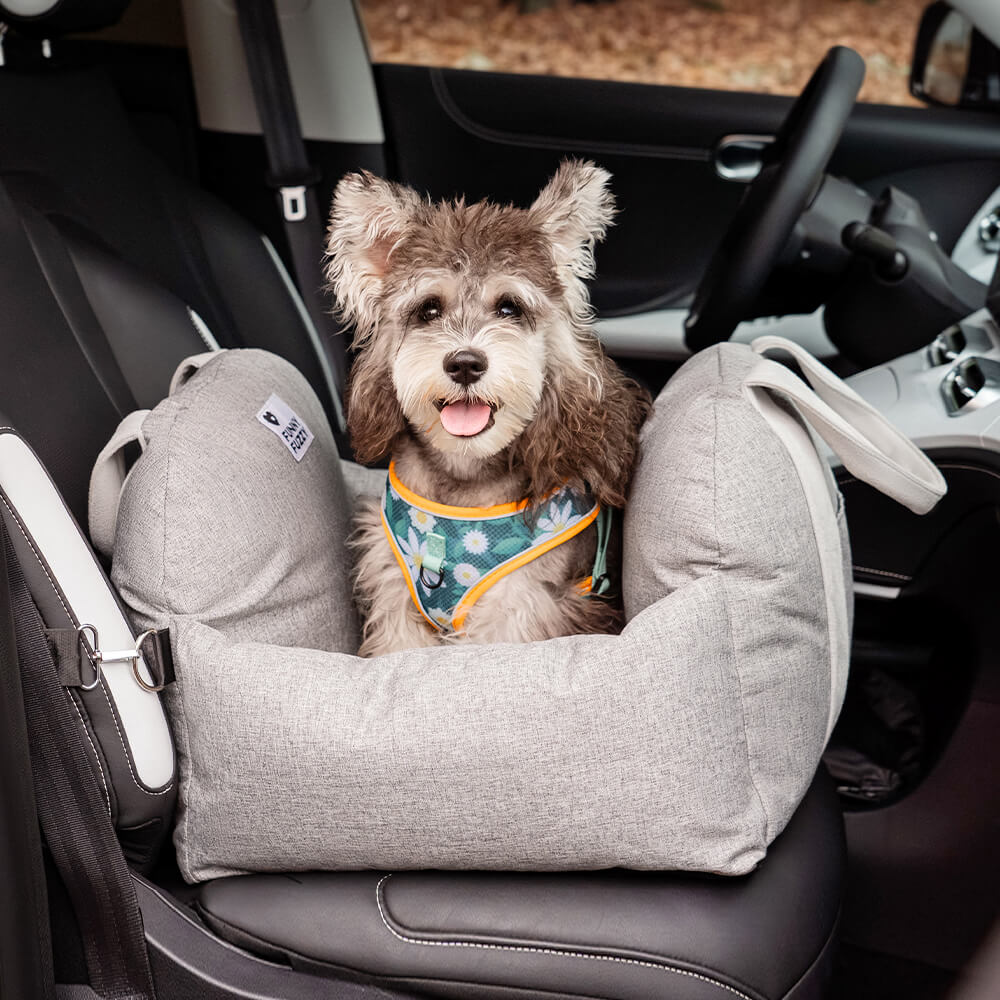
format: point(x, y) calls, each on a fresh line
point(600, 581)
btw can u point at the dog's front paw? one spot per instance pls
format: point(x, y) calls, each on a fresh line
point(393, 633)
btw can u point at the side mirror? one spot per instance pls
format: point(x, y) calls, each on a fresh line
point(954, 65)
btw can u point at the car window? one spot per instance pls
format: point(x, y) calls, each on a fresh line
point(753, 45)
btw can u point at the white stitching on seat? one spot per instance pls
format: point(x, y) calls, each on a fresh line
point(128, 757)
point(559, 952)
point(38, 557)
point(944, 465)
point(883, 572)
point(100, 766)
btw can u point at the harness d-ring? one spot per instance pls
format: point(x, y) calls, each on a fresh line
point(427, 584)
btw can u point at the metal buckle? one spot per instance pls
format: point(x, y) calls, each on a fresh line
point(155, 688)
point(293, 203)
point(92, 652)
point(99, 658)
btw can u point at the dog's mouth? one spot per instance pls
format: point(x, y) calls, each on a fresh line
point(465, 418)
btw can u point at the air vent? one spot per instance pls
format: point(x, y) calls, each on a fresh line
point(946, 346)
point(971, 385)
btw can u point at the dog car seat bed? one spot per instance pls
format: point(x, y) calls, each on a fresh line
point(684, 743)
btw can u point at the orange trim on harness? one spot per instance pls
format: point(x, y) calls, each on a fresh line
point(475, 592)
point(433, 507)
point(406, 572)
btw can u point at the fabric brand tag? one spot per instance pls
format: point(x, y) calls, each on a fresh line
point(279, 417)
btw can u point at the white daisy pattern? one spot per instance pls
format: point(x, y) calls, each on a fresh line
point(422, 521)
point(466, 574)
point(475, 542)
point(414, 550)
point(482, 545)
point(559, 518)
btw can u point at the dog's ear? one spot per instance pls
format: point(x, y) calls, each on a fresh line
point(574, 211)
point(585, 432)
point(374, 417)
point(369, 216)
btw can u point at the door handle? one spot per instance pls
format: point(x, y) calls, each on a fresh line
point(740, 158)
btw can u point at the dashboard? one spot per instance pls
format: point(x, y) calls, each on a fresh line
point(659, 334)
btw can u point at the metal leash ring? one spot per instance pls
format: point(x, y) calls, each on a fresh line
point(432, 586)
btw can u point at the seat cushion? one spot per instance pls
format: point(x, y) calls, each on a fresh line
point(614, 934)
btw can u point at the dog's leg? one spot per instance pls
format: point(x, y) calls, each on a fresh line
point(525, 610)
point(391, 621)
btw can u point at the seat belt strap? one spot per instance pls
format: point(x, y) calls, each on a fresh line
point(74, 816)
point(25, 937)
point(292, 174)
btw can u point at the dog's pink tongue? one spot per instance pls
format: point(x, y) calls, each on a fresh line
point(465, 419)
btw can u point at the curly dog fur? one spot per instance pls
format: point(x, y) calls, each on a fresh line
point(462, 307)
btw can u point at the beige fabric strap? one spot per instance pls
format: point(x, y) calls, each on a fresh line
point(188, 367)
point(870, 447)
point(106, 481)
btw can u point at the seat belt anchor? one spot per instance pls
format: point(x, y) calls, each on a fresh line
point(293, 203)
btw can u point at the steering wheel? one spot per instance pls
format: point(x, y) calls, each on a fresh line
point(782, 191)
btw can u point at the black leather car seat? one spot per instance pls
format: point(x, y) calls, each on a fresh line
point(69, 151)
point(93, 322)
point(615, 934)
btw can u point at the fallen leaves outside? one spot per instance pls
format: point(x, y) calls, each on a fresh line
point(753, 45)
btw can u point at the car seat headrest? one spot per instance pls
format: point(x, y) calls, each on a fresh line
point(49, 18)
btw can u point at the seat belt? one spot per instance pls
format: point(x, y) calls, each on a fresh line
point(73, 814)
point(291, 173)
point(26, 968)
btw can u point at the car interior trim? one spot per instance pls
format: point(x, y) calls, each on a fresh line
point(589, 146)
point(334, 85)
point(876, 591)
point(908, 391)
point(970, 251)
point(660, 334)
point(662, 964)
point(146, 736)
point(201, 328)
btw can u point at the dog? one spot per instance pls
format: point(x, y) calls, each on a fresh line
point(511, 434)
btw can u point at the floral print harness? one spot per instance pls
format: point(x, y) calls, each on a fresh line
point(451, 556)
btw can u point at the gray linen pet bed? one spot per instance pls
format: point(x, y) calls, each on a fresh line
point(684, 743)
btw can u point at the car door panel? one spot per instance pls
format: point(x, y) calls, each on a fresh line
point(498, 135)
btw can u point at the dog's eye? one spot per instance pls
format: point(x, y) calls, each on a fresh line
point(507, 308)
point(429, 310)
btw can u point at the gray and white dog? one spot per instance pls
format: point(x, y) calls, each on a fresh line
point(478, 371)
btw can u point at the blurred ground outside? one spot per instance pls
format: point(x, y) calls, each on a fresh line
point(754, 45)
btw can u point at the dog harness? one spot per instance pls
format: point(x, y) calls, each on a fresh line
point(451, 556)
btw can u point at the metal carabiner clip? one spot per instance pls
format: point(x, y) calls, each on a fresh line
point(92, 650)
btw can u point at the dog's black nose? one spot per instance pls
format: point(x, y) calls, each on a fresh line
point(465, 367)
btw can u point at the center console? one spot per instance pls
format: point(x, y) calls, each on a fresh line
point(946, 394)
